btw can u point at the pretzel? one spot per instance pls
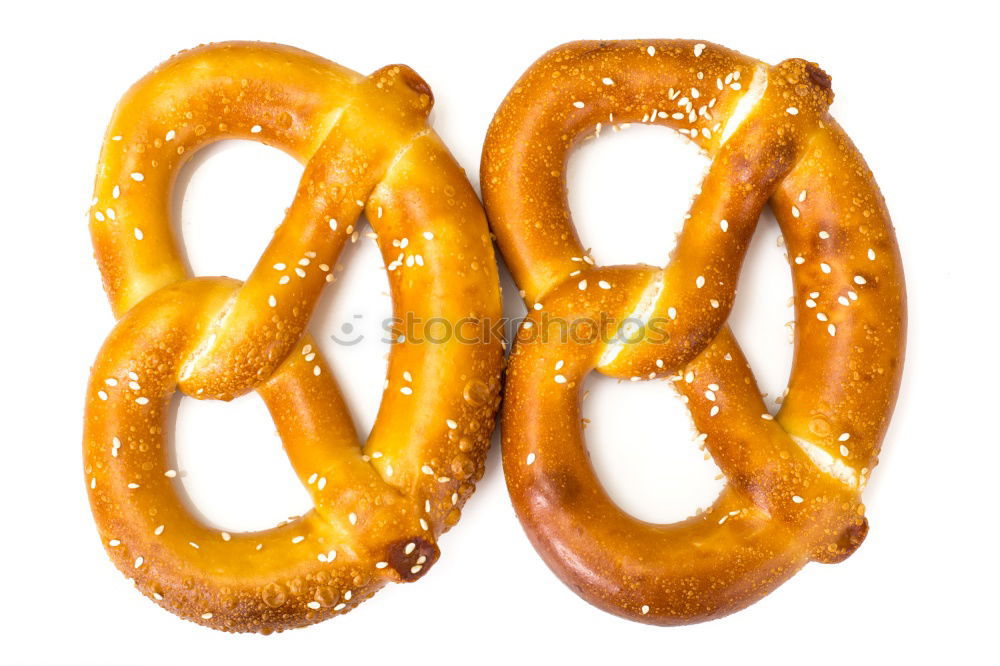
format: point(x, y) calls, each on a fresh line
point(379, 509)
point(794, 480)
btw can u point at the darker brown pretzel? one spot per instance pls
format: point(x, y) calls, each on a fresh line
point(794, 480)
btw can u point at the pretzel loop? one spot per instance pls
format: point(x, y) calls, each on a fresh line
point(378, 510)
point(793, 481)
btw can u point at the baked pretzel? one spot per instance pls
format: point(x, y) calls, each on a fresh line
point(794, 480)
point(379, 509)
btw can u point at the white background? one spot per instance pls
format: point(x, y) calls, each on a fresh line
point(916, 90)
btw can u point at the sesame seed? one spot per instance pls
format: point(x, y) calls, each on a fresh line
point(582, 285)
point(645, 609)
point(530, 459)
point(560, 379)
point(451, 423)
point(138, 177)
point(272, 301)
point(406, 390)
point(824, 267)
point(315, 605)
point(859, 280)
point(792, 111)
point(333, 224)
point(170, 135)
point(116, 192)
point(138, 233)
point(608, 81)
point(797, 499)
point(256, 129)
point(698, 50)
point(138, 562)
point(206, 616)
point(651, 50)
point(604, 284)
point(578, 104)
point(339, 607)
point(353, 518)
point(700, 281)
point(724, 225)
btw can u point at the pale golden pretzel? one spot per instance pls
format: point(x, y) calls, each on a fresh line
point(379, 508)
point(794, 480)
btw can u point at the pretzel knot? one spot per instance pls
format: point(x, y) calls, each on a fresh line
point(794, 480)
point(378, 509)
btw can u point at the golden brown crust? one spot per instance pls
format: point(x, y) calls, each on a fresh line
point(379, 508)
point(794, 481)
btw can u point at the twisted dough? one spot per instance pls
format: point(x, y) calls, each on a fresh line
point(794, 480)
point(378, 509)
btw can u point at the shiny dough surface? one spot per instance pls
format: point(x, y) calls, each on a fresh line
point(794, 479)
point(379, 507)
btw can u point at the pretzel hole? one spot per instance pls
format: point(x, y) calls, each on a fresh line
point(630, 190)
point(232, 470)
point(227, 202)
point(763, 314)
point(349, 326)
point(641, 441)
